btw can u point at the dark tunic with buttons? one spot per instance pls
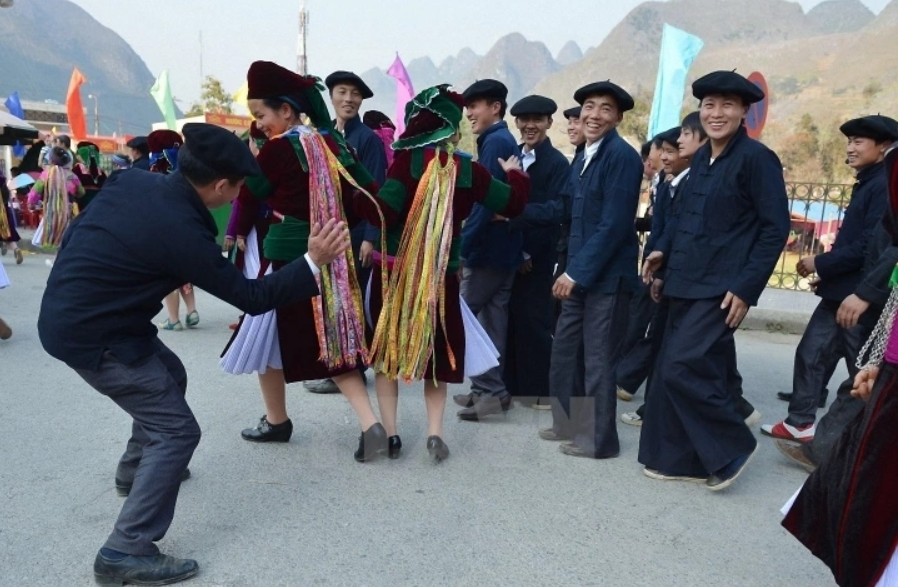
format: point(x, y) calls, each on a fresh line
point(285, 189)
point(474, 185)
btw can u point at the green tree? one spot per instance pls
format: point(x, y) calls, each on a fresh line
point(213, 99)
point(636, 122)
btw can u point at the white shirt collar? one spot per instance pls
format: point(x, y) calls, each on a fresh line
point(528, 157)
point(676, 181)
point(590, 152)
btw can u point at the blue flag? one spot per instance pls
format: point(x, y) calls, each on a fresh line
point(15, 108)
point(678, 51)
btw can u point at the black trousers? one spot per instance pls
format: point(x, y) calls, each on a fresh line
point(585, 353)
point(164, 435)
point(691, 424)
point(530, 324)
point(823, 343)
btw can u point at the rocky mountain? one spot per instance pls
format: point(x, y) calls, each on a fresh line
point(569, 54)
point(40, 70)
point(839, 16)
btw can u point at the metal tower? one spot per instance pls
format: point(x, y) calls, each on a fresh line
point(302, 63)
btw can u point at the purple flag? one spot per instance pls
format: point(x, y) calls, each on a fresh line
point(404, 92)
point(15, 108)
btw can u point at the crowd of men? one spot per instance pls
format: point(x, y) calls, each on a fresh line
point(581, 313)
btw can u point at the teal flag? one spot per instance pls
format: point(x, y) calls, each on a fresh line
point(161, 92)
point(678, 51)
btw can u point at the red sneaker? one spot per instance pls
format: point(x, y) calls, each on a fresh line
point(789, 432)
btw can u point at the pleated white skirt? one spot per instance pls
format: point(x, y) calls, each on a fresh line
point(4, 278)
point(255, 347)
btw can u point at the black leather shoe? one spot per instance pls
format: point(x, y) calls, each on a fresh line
point(372, 442)
point(486, 406)
point(787, 397)
point(265, 432)
point(124, 489)
point(394, 447)
point(157, 569)
point(437, 449)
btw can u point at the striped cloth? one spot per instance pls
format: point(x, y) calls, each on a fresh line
point(255, 347)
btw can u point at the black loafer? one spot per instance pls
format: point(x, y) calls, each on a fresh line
point(437, 449)
point(124, 489)
point(265, 432)
point(465, 400)
point(372, 442)
point(572, 450)
point(157, 569)
point(486, 406)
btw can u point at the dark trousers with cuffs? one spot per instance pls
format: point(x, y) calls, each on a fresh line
point(530, 323)
point(163, 437)
point(691, 424)
point(585, 354)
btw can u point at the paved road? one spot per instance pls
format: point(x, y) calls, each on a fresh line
point(506, 509)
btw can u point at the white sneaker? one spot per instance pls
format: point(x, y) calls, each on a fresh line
point(631, 418)
point(623, 394)
point(753, 419)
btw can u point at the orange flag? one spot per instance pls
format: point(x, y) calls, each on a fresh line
point(74, 108)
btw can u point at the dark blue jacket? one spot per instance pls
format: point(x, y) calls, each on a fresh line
point(729, 230)
point(370, 152)
point(141, 163)
point(600, 204)
point(486, 243)
point(842, 268)
point(548, 177)
point(113, 270)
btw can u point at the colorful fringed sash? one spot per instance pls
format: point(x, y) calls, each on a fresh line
point(5, 226)
point(339, 314)
point(416, 298)
point(57, 210)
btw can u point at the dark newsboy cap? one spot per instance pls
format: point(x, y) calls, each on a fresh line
point(877, 127)
point(605, 88)
point(220, 150)
point(489, 89)
point(572, 112)
point(726, 82)
point(349, 78)
point(534, 105)
point(138, 143)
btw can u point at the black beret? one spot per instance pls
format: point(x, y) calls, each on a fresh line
point(726, 82)
point(670, 136)
point(137, 143)
point(349, 78)
point(489, 89)
point(572, 112)
point(876, 127)
point(538, 105)
point(605, 88)
point(220, 150)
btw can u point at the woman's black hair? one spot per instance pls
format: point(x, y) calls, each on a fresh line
point(645, 150)
point(298, 103)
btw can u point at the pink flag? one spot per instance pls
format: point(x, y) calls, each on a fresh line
point(404, 92)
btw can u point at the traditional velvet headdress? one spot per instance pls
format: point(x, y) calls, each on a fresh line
point(432, 116)
point(89, 172)
point(267, 80)
point(164, 145)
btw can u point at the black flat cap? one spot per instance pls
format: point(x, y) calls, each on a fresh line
point(534, 105)
point(671, 136)
point(138, 143)
point(349, 78)
point(488, 89)
point(726, 82)
point(572, 112)
point(605, 88)
point(877, 127)
point(220, 149)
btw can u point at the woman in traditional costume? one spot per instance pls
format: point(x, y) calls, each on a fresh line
point(89, 173)
point(164, 145)
point(308, 172)
point(9, 236)
point(56, 188)
point(847, 512)
point(418, 318)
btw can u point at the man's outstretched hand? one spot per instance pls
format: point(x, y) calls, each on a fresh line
point(328, 242)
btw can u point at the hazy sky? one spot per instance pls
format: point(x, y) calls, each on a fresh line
point(346, 34)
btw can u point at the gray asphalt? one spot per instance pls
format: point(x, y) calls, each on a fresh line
point(505, 509)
